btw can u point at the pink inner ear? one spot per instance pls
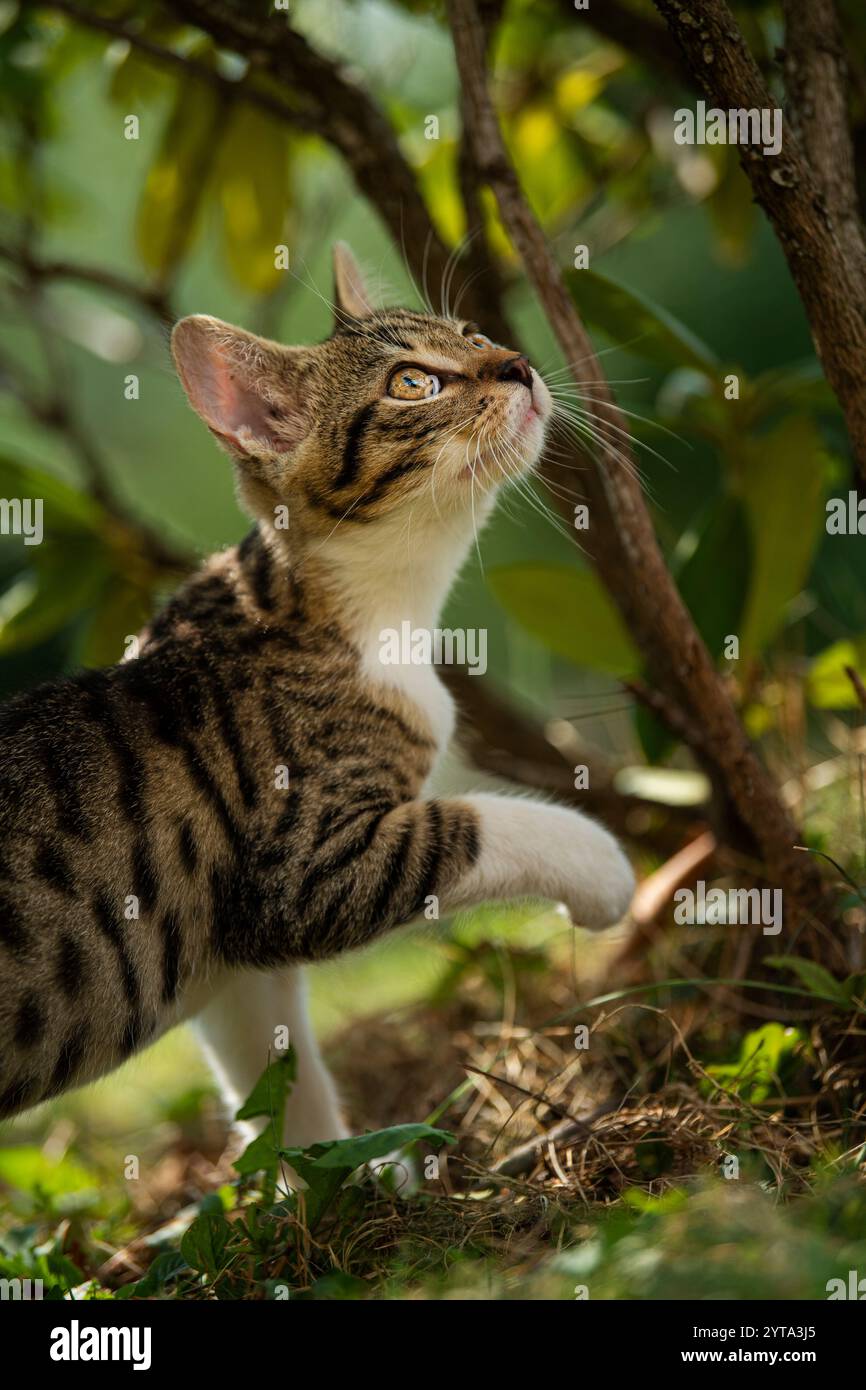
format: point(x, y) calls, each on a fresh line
point(230, 406)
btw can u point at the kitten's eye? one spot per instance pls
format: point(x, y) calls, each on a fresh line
point(478, 340)
point(413, 384)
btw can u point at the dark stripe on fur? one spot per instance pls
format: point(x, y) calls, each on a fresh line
point(352, 448)
point(13, 933)
point(112, 929)
point(69, 966)
point(51, 865)
point(171, 948)
point(29, 1022)
point(188, 847)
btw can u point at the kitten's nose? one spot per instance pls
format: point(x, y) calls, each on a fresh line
point(516, 369)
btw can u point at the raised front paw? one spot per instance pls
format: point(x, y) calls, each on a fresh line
point(596, 880)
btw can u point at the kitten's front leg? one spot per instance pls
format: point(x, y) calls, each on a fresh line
point(383, 868)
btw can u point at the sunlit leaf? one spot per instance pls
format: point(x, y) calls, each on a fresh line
point(253, 180)
point(169, 212)
point(828, 684)
point(759, 1070)
point(28, 1169)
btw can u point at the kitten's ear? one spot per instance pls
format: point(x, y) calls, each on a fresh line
point(350, 292)
point(245, 388)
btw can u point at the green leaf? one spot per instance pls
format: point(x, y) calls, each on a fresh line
point(815, 977)
point(203, 1245)
point(64, 508)
point(268, 1097)
point(569, 612)
point(325, 1167)
point(828, 684)
point(28, 1169)
point(713, 571)
point(764, 1055)
point(253, 181)
point(122, 610)
point(655, 738)
point(731, 206)
point(165, 1268)
point(349, 1154)
point(799, 385)
point(40, 601)
point(782, 484)
point(635, 322)
point(169, 211)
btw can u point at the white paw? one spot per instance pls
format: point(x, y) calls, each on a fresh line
point(604, 884)
point(591, 874)
point(532, 849)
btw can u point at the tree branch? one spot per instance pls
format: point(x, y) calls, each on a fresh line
point(645, 590)
point(153, 299)
point(830, 286)
point(816, 85)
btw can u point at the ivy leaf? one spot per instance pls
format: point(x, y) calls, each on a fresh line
point(203, 1245)
point(326, 1167)
point(164, 1270)
point(267, 1098)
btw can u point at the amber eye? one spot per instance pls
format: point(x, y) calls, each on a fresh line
point(413, 384)
point(478, 340)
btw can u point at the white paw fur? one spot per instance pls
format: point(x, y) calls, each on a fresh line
point(533, 849)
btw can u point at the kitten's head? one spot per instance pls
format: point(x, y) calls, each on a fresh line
point(395, 411)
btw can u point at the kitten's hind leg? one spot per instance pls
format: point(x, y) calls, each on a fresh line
point(238, 1029)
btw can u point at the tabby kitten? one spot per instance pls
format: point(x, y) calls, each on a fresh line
point(182, 830)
